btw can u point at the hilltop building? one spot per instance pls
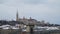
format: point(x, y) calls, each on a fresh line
point(30, 20)
point(17, 17)
point(25, 20)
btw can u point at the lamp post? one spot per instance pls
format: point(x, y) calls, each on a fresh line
point(0, 30)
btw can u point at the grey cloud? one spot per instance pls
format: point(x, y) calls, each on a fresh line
point(24, 1)
point(3, 1)
point(35, 1)
point(27, 8)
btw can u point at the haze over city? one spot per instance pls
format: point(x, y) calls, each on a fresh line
point(48, 10)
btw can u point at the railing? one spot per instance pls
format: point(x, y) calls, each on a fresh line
point(34, 32)
point(48, 32)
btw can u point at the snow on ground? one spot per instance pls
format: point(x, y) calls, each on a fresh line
point(37, 27)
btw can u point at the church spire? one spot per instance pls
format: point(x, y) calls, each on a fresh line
point(17, 17)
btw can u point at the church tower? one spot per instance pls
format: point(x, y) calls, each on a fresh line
point(17, 17)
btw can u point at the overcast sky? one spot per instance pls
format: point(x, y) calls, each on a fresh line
point(48, 10)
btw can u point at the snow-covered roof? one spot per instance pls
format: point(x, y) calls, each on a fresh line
point(52, 28)
point(8, 27)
